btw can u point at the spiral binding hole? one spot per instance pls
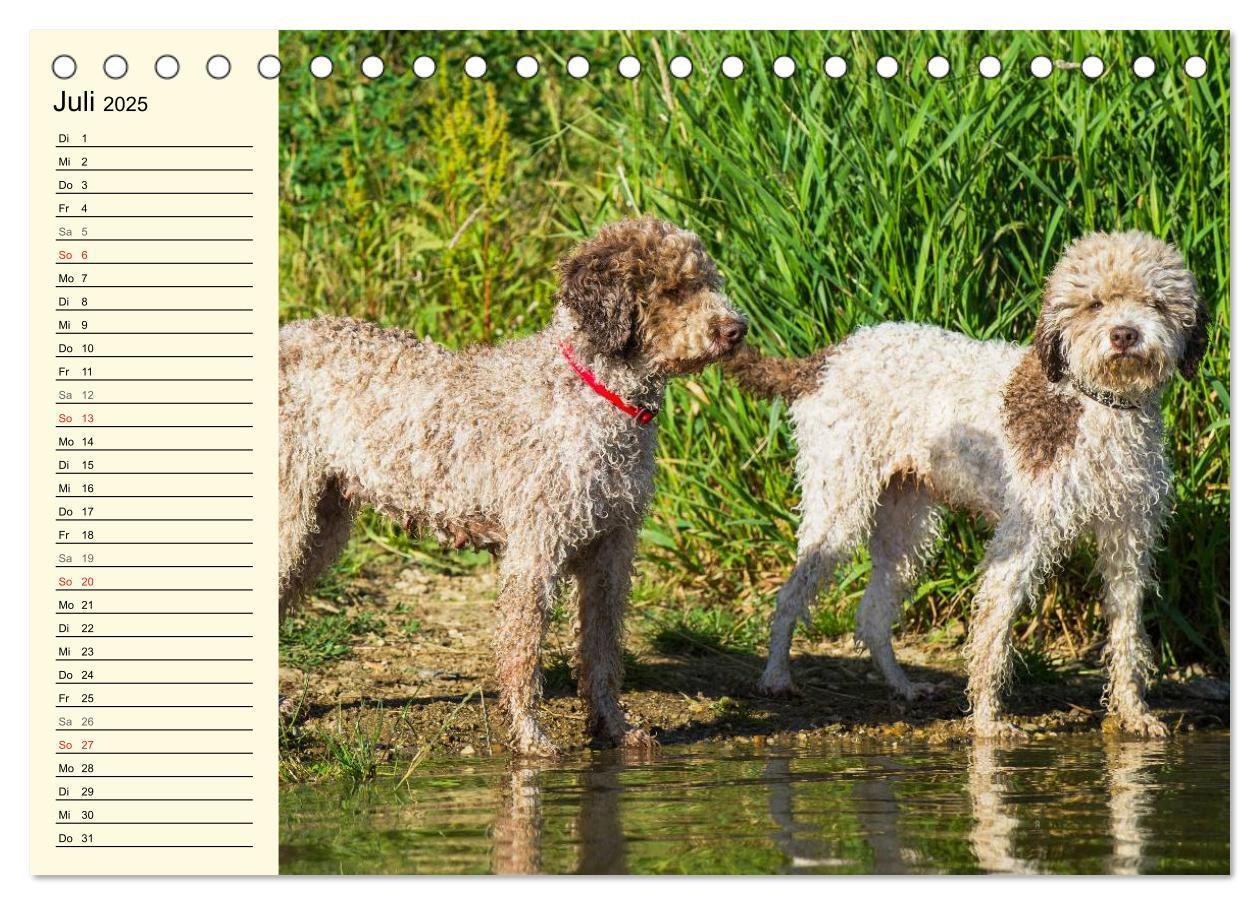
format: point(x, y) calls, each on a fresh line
point(680, 67)
point(166, 66)
point(527, 67)
point(218, 66)
point(269, 66)
point(423, 67)
point(115, 66)
point(64, 66)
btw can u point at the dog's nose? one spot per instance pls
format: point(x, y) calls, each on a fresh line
point(1123, 338)
point(732, 331)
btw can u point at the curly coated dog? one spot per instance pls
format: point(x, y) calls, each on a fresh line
point(1049, 443)
point(539, 449)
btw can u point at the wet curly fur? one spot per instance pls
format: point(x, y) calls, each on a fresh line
point(1050, 442)
point(506, 448)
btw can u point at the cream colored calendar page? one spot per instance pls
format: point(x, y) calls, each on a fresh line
point(153, 288)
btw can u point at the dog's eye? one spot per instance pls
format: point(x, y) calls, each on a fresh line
point(1095, 305)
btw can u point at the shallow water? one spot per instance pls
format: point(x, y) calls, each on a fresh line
point(1073, 804)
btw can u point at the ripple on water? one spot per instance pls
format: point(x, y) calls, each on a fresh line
point(1073, 804)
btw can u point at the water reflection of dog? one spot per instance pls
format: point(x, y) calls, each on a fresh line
point(875, 808)
point(518, 825)
point(1128, 788)
point(518, 828)
point(601, 840)
point(993, 815)
point(797, 840)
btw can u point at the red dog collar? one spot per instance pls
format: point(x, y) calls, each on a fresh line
point(638, 413)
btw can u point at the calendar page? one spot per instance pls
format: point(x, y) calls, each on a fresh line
point(153, 443)
point(629, 452)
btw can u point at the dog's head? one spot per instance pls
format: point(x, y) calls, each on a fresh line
point(1121, 313)
point(648, 291)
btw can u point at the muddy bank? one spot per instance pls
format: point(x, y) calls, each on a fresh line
point(400, 666)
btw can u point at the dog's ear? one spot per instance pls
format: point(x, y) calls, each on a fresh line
point(1196, 343)
point(1047, 342)
point(598, 292)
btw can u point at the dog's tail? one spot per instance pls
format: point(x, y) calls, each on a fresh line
point(768, 378)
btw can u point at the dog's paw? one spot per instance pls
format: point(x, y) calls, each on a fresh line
point(778, 687)
point(530, 741)
point(922, 691)
point(537, 746)
point(639, 740)
point(609, 728)
point(1143, 724)
point(999, 730)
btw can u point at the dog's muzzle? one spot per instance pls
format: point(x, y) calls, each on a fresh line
point(728, 333)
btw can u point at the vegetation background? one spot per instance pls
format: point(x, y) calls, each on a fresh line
point(441, 204)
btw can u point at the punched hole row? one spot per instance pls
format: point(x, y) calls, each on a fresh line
point(681, 67)
point(269, 66)
point(167, 66)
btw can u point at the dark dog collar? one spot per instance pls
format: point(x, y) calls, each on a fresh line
point(1106, 397)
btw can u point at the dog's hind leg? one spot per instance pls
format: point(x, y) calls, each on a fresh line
point(334, 517)
point(301, 487)
point(602, 574)
point(830, 530)
point(906, 523)
point(315, 521)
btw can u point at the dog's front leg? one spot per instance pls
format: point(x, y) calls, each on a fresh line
point(522, 611)
point(1124, 561)
point(602, 574)
point(1011, 566)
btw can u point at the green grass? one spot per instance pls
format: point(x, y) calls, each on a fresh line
point(701, 631)
point(1037, 666)
point(315, 639)
point(828, 204)
point(351, 750)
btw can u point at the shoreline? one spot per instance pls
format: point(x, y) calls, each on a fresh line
point(402, 670)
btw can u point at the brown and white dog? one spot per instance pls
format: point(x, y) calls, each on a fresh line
point(540, 448)
point(1049, 443)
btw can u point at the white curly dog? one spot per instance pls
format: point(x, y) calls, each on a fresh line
point(1049, 442)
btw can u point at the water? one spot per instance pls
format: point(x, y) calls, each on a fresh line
point(1073, 804)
